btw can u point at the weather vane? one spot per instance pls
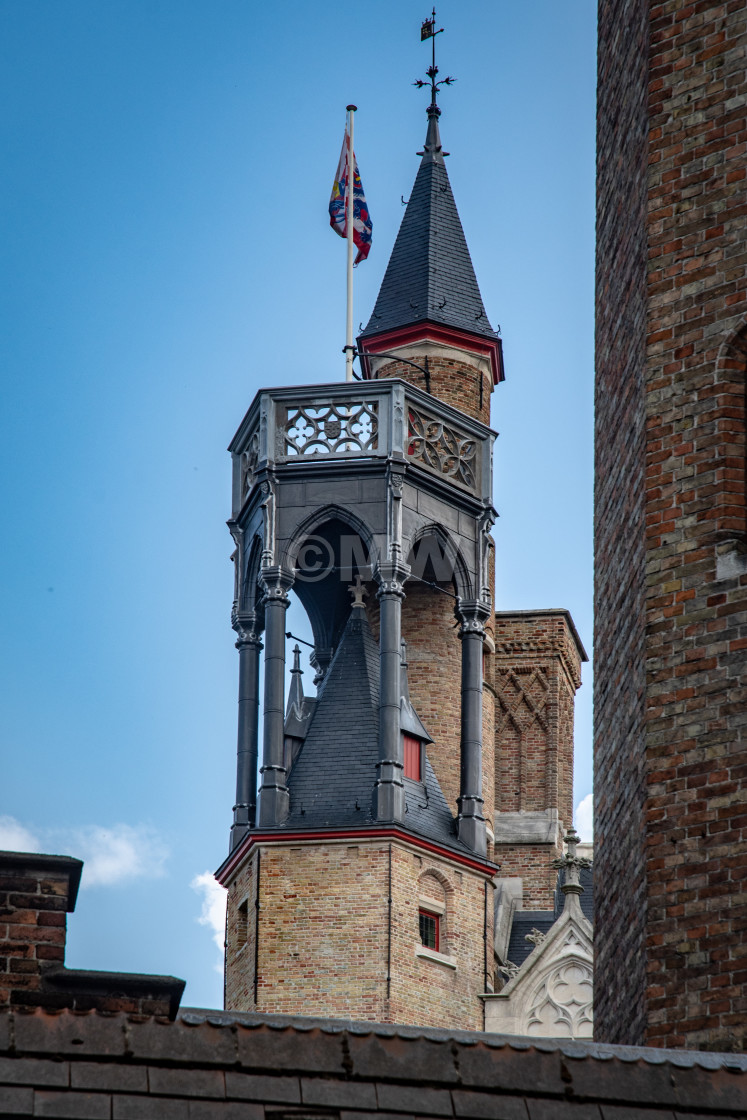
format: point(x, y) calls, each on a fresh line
point(428, 31)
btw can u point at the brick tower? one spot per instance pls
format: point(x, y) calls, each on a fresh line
point(361, 877)
point(671, 571)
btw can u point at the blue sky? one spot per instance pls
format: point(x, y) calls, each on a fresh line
point(167, 252)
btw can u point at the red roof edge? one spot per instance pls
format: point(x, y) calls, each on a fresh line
point(491, 348)
point(281, 836)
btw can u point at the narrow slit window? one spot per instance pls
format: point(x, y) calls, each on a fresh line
point(242, 924)
point(413, 765)
point(430, 930)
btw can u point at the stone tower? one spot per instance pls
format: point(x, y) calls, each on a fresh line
point(361, 877)
point(671, 568)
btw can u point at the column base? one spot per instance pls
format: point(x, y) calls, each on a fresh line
point(471, 828)
point(273, 806)
point(389, 802)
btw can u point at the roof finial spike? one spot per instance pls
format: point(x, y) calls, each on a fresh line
point(428, 31)
point(571, 864)
point(295, 692)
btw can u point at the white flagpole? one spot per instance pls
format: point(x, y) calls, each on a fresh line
point(350, 216)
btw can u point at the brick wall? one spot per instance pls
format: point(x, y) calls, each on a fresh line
point(537, 672)
point(671, 751)
point(453, 380)
point(327, 945)
point(36, 894)
point(322, 921)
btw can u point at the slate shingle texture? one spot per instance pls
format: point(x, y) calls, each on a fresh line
point(332, 781)
point(430, 275)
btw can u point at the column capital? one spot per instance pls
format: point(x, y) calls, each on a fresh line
point(390, 576)
point(275, 582)
point(472, 615)
point(248, 630)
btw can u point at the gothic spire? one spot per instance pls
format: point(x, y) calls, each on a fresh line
point(430, 276)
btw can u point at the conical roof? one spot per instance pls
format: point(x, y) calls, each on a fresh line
point(430, 276)
point(331, 783)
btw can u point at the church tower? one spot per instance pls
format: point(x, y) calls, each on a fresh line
point(361, 877)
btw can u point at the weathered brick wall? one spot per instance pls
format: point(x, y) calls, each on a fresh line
point(36, 893)
point(453, 380)
point(697, 718)
point(685, 794)
point(425, 991)
point(211, 1066)
point(434, 660)
point(619, 591)
point(322, 921)
point(532, 864)
point(537, 672)
point(34, 899)
point(327, 945)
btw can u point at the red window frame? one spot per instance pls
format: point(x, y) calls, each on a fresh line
point(436, 919)
point(413, 758)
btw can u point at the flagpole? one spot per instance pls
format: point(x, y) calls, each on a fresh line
point(350, 217)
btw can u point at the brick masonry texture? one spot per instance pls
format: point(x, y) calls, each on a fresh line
point(671, 594)
point(212, 1065)
point(537, 673)
point(454, 381)
point(33, 928)
point(328, 943)
point(36, 893)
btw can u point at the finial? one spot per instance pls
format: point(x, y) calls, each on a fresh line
point(296, 659)
point(358, 592)
point(571, 864)
point(428, 31)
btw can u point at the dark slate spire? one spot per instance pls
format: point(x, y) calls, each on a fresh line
point(430, 274)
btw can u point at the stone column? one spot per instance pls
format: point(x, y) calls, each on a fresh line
point(389, 792)
point(273, 792)
point(249, 645)
point(472, 615)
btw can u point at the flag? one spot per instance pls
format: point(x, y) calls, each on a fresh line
point(362, 225)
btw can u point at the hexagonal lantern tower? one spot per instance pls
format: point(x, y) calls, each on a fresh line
point(361, 874)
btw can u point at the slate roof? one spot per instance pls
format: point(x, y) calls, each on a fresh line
point(524, 922)
point(332, 781)
point(336, 767)
point(430, 273)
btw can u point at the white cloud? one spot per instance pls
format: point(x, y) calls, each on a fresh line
point(15, 837)
point(213, 914)
point(117, 854)
point(585, 818)
point(110, 855)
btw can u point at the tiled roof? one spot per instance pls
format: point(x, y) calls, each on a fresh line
point(430, 275)
point(224, 1065)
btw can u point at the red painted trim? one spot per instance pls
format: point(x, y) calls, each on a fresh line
point(436, 332)
point(437, 923)
point(279, 837)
